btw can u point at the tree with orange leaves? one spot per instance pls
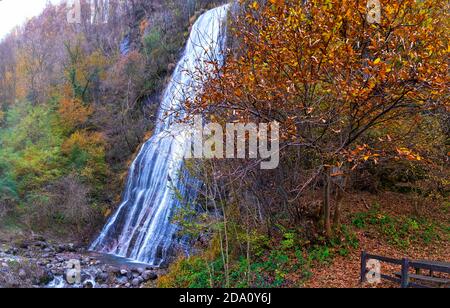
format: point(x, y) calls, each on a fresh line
point(346, 89)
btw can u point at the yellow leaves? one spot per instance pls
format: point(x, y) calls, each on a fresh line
point(87, 151)
point(363, 154)
point(408, 154)
point(95, 62)
point(91, 142)
point(107, 213)
point(307, 60)
point(277, 2)
point(73, 112)
point(381, 216)
point(371, 83)
point(255, 5)
point(326, 36)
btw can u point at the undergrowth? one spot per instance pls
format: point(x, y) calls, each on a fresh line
point(273, 263)
point(401, 231)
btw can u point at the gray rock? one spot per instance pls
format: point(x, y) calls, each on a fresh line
point(24, 245)
point(139, 270)
point(113, 270)
point(135, 282)
point(22, 274)
point(123, 272)
point(102, 277)
point(42, 245)
point(43, 278)
point(122, 280)
point(38, 238)
point(149, 275)
point(71, 247)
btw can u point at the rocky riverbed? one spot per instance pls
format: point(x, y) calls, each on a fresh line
point(38, 263)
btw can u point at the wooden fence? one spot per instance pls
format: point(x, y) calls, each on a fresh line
point(405, 278)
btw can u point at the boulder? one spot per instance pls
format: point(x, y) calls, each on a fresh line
point(149, 275)
point(22, 274)
point(103, 277)
point(135, 282)
point(139, 270)
point(122, 280)
point(113, 270)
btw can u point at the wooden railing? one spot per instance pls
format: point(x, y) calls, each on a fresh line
point(404, 278)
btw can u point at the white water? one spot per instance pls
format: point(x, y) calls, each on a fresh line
point(141, 228)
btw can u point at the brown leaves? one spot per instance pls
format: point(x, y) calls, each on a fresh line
point(73, 112)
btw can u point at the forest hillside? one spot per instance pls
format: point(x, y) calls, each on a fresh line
point(361, 102)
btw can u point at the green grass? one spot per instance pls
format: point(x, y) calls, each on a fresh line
point(402, 231)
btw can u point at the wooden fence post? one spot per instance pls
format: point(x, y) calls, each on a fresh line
point(363, 266)
point(405, 273)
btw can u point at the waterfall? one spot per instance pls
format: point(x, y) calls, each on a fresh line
point(141, 229)
point(124, 46)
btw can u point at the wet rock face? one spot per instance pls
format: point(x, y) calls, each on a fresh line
point(38, 263)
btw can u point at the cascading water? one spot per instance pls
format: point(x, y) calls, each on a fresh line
point(141, 228)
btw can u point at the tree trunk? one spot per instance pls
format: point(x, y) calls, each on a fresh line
point(327, 203)
point(337, 210)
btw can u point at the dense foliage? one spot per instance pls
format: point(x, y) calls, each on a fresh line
point(76, 101)
point(361, 105)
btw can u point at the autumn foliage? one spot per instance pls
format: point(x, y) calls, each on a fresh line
point(76, 102)
point(348, 93)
